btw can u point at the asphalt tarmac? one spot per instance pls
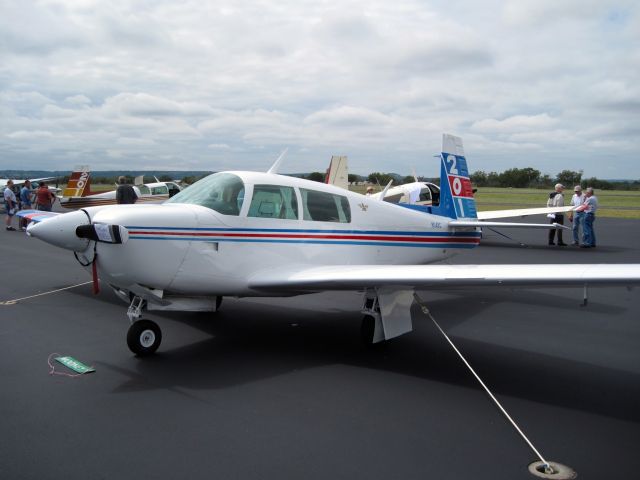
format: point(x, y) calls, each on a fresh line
point(283, 388)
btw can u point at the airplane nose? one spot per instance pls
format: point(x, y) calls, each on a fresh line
point(61, 230)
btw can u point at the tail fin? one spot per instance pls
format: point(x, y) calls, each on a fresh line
point(338, 172)
point(456, 193)
point(79, 183)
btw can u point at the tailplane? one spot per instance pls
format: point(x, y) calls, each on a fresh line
point(456, 192)
point(79, 183)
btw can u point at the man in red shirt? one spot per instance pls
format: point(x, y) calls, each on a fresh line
point(44, 197)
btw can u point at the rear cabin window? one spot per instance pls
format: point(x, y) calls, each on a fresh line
point(144, 190)
point(273, 201)
point(325, 207)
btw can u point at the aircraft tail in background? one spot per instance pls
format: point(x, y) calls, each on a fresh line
point(338, 172)
point(79, 183)
point(456, 192)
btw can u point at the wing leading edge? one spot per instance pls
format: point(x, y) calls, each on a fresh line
point(357, 277)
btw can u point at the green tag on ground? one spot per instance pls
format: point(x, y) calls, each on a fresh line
point(74, 364)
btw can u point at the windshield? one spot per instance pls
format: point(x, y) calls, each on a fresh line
point(222, 192)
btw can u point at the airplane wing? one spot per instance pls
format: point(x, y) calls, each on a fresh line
point(36, 215)
point(358, 277)
point(521, 212)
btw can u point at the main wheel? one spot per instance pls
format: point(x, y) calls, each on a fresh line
point(144, 337)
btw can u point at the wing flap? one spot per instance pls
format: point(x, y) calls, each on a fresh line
point(357, 277)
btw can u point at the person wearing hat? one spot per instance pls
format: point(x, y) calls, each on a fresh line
point(369, 191)
point(556, 199)
point(576, 217)
point(589, 207)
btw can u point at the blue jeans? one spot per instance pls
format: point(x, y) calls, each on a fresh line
point(578, 223)
point(589, 238)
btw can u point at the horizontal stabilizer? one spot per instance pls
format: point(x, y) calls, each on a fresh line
point(522, 212)
point(471, 223)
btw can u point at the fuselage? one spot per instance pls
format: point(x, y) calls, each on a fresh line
point(211, 238)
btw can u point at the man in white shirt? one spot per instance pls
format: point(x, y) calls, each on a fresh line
point(577, 217)
point(11, 204)
point(556, 199)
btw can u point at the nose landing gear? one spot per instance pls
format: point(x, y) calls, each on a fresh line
point(144, 336)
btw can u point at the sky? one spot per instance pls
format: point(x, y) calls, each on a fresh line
point(219, 85)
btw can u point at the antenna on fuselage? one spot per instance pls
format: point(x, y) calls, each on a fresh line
point(276, 164)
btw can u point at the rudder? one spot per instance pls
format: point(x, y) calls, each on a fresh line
point(456, 192)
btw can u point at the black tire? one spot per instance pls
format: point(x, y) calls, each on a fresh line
point(367, 330)
point(218, 302)
point(144, 337)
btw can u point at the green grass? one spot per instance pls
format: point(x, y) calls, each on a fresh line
point(612, 203)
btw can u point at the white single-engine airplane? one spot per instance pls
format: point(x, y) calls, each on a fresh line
point(246, 234)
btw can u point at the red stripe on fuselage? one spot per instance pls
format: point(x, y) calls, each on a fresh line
point(319, 236)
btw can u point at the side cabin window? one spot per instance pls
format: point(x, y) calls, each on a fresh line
point(325, 207)
point(144, 190)
point(160, 190)
point(222, 192)
point(273, 201)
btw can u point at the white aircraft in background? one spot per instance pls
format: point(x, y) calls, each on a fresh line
point(78, 192)
point(251, 234)
point(17, 185)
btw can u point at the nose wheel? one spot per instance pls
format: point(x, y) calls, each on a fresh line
point(144, 337)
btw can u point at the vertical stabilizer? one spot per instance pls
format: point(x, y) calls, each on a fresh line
point(79, 184)
point(456, 193)
point(338, 173)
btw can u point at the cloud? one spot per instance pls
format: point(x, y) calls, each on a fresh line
point(224, 83)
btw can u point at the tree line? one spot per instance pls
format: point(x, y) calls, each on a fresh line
point(532, 178)
point(511, 178)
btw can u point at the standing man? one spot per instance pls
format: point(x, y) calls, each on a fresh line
point(589, 206)
point(25, 200)
point(575, 216)
point(556, 199)
point(44, 198)
point(11, 204)
point(125, 192)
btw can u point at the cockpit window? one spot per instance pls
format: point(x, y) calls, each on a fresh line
point(222, 192)
point(325, 207)
point(273, 201)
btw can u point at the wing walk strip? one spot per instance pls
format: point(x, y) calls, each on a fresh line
point(344, 237)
